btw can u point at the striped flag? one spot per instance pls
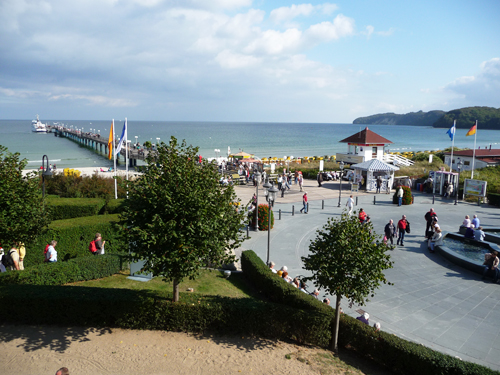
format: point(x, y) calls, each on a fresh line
point(471, 131)
point(110, 141)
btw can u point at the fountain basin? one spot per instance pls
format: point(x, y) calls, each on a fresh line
point(492, 234)
point(465, 252)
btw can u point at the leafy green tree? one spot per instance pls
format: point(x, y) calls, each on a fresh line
point(22, 213)
point(178, 218)
point(347, 260)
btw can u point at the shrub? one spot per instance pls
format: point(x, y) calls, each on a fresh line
point(494, 199)
point(263, 218)
point(73, 237)
point(68, 208)
point(407, 196)
point(60, 273)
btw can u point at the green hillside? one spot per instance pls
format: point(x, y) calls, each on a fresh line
point(419, 118)
point(487, 117)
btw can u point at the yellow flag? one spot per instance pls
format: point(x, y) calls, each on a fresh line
point(110, 141)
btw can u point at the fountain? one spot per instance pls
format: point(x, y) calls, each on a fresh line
point(465, 252)
point(492, 234)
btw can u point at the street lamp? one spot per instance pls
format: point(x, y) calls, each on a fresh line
point(270, 197)
point(459, 167)
point(341, 166)
point(46, 173)
point(256, 176)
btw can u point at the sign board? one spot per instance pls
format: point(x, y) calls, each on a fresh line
point(321, 164)
point(475, 187)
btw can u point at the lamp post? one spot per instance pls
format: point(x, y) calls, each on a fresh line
point(341, 166)
point(46, 173)
point(256, 176)
point(459, 167)
point(270, 197)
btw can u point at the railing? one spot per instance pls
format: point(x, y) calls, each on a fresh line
point(398, 160)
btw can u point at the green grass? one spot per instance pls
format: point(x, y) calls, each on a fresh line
point(210, 282)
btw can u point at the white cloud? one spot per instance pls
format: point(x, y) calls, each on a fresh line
point(286, 14)
point(230, 60)
point(342, 26)
point(480, 89)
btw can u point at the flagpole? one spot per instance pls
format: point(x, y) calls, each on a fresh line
point(474, 154)
point(126, 144)
point(452, 144)
point(114, 160)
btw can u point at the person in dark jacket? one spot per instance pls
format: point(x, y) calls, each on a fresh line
point(390, 231)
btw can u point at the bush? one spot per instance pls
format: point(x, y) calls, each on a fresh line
point(494, 199)
point(68, 208)
point(407, 196)
point(59, 273)
point(73, 186)
point(73, 237)
point(264, 217)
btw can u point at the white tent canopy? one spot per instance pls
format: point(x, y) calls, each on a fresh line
point(371, 169)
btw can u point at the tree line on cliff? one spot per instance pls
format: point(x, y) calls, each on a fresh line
point(487, 117)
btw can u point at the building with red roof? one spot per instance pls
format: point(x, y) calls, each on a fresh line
point(486, 157)
point(363, 146)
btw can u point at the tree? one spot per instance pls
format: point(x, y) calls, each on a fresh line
point(178, 218)
point(347, 259)
point(22, 213)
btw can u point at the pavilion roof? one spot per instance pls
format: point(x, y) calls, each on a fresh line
point(366, 136)
point(375, 165)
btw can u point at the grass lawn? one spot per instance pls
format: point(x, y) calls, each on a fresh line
point(210, 282)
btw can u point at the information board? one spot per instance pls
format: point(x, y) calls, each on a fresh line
point(475, 187)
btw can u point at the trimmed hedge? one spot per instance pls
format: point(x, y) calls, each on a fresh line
point(59, 273)
point(494, 199)
point(73, 237)
point(69, 208)
point(398, 355)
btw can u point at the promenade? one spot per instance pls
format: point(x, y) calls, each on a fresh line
point(432, 301)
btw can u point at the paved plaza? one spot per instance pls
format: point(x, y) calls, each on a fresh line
point(432, 301)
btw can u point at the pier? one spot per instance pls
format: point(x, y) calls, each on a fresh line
point(98, 143)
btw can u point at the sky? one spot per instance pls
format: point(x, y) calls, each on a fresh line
point(245, 60)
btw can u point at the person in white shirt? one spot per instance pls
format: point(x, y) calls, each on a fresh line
point(52, 253)
point(350, 204)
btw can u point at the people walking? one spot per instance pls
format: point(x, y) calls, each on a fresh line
point(301, 181)
point(402, 225)
point(350, 205)
point(304, 203)
point(390, 231)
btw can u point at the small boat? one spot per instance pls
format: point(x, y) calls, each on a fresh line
point(37, 126)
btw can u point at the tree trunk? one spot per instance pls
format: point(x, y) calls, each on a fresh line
point(176, 290)
point(335, 332)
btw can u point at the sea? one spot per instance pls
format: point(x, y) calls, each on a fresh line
point(213, 139)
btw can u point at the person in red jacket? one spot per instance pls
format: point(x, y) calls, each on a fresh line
point(402, 224)
point(362, 216)
point(304, 202)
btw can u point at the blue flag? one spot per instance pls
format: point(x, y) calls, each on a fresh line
point(451, 132)
point(123, 138)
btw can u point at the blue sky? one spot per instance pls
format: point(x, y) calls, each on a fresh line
point(244, 60)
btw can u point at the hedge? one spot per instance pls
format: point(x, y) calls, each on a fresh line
point(68, 208)
point(398, 355)
point(494, 199)
point(59, 273)
point(73, 237)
